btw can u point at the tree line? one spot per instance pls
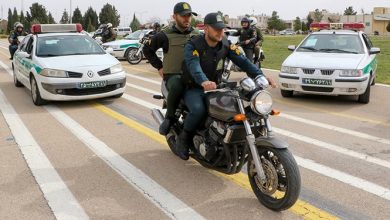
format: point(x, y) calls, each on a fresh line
point(38, 14)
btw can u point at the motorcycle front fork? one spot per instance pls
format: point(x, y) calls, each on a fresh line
point(252, 145)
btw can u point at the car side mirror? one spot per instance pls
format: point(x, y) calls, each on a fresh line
point(24, 54)
point(375, 50)
point(109, 50)
point(291, 47)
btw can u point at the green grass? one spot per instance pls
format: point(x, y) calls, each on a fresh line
point(275, 50)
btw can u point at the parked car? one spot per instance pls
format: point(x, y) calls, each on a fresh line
point(331, 62)
point(123, 31)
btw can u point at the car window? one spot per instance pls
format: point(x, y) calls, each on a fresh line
point(23, 44)
point(332, 43)
point(135, 35)
point(30, 45)
point(367, 42)
point(67, 45)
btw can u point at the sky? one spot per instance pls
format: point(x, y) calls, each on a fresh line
point(147, 10)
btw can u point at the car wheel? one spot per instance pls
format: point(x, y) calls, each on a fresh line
point(286, 93)
point(17, 83)
point(373, 81)
point(131, 56)
point(35, 94)
point(365, 97)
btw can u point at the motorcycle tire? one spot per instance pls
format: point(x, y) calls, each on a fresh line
point(279, 165)
point(131, 56)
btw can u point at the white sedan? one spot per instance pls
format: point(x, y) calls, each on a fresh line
point(331, 62)
point(59, 63)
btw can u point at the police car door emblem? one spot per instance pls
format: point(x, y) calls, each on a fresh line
point(90, 74)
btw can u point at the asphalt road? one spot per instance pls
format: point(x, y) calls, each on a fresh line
point(103, 159)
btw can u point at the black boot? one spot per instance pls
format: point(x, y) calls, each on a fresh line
point(165, 126)
point(182, 145)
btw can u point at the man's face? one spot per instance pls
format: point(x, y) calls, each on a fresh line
point(214, 34)
point(183, 21)
point(19, 29)
point(244, 24)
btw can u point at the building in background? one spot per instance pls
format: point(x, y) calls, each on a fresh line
point(374, 22)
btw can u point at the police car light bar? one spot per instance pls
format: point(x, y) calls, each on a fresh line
point(336, 26)
point(55, 28)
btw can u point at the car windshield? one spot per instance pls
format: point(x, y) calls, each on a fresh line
point(135, 35)
point(51, 46)
point(332, 43)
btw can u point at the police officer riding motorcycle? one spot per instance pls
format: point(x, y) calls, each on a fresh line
point(247, 38)
point(227, 126)
point(14, 38)
point(259, 54)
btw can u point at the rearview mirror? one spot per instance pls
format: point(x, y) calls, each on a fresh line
point(291, 47)
point(375, 50)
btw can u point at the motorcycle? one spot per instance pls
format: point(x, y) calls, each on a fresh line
point(238, 132)
point(135, 55)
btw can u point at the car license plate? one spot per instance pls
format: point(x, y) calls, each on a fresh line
point(97, 84)
point(322, 82)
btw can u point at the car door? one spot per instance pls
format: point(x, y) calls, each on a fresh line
point(18, 58)
point(26, 62)
point(371, 62)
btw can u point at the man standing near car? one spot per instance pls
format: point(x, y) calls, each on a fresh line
point(172, 40)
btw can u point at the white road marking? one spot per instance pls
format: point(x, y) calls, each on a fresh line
point(334, 128)
point(144, 79)
point(59, 198)
point(316, 167)
point(159, 196)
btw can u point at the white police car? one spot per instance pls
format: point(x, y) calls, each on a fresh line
point(57, 62)
point(127, 47)
point(331, 62)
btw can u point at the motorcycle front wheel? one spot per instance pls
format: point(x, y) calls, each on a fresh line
point(281, 189)
point(131, 56)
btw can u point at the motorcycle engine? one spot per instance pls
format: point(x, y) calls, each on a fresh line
point(207, 144)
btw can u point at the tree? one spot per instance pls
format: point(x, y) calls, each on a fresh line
point(77, 16)
point(349, 11)
point(10, 25)
point(274, 23)
point(38, 13)
point(90, 16)
point(90, 27)
point(297, 24)
point(135, 24)
point(64, 18)
point(22, 19)
point(223, 17)
point(195, 22)
point(28, 19)
point(15, 17)
point(304, 26)
point(309, 21)
point(318, 15)
point(109, 14)
point(50, 19)
point(388, 27)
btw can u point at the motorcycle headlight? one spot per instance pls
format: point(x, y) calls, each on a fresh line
point(54, 73)
point(116, 69)
point(261, 102)
point(248, 84)
point(351, 73)
point(289, 69)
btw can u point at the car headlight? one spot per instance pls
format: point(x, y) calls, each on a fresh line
point(116, 69)
point(289, 69)
point(114, 46)
point(54, 73)
point(351, 73)
point(261, 102)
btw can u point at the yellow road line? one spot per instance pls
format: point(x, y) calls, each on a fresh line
point(300, 208)
point(350, 116)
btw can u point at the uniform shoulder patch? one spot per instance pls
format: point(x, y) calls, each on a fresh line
point(195, 53)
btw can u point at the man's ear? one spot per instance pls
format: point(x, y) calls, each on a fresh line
point(174, 17)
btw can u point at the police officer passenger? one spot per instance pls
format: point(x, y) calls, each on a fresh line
point(13, 38)
point(172, 40)
point(204, 57)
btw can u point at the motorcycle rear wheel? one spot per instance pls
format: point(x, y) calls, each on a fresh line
point(282, 187)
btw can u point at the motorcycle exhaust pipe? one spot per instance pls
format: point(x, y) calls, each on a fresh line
point(157, 116)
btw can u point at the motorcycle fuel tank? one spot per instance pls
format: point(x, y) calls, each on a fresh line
point(222, 105)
